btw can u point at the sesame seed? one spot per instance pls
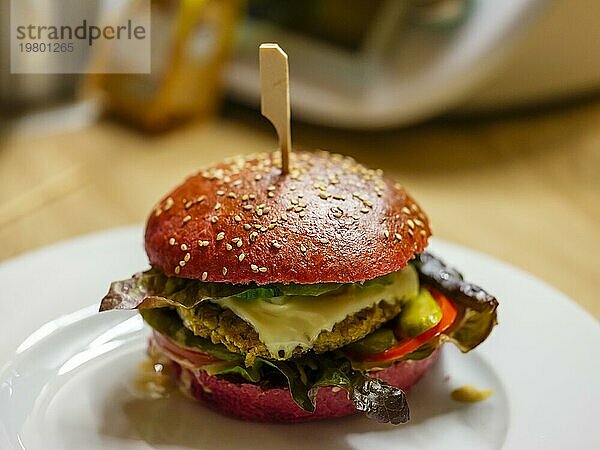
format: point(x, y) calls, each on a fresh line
point(220, 192)
point(224, 270)
point(252, 196)
point(259, 212)
point(239, 243)
point(169, 204)
point(339, 197)
point(262, 269)
point(270, 194)
point(405, 210)
point(241, 257)
point(220, 235)
point(184, 247)
point(284, 217)
point(177, 270)
point(189, 204)
point(253, 235)
point(172, 241)
point(204, 276)
point(228, 246)
point(157, 212)
point(217, 206)
point(386, 233)
point(364, 210)
point(248, 207)
point(423, 233)
point(302, 248)
point(237, 218)
point(323, 240)
point(214, 219)
point(201, 199)
point(187, 257)
point(301, 214)
point(410, 223)
point(231, 195)
point(247, 226)
point(263, 229)
point(182, 263)
point(245, 197)
point(271, 188)
point(254, 267)
point(398, 236)
point(236, 239)
point(324, 195)
point(187, 218)
point(258, 176)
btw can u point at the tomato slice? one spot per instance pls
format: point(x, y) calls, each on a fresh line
point(409, 345)
point(179, 352)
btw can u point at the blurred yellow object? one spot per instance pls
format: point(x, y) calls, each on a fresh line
point(191, 40)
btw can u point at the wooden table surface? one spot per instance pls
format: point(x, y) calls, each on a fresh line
point(524, 188)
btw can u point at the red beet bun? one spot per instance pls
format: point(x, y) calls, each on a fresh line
point(329, 220)
point(251, 402)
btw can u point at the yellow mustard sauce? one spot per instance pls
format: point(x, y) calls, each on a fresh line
point(470, 394)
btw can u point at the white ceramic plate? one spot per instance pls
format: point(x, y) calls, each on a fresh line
point(67, 380)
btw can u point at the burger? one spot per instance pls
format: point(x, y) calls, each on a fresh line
point(299, 296)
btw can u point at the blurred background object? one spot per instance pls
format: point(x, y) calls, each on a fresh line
point(190, 41)
point(380, 63)
point(398, 62)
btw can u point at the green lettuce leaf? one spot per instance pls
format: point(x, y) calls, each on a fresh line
point(152, 289)
point(252, 373)
point(280, 290)
point(376, 398)
point(312, 290)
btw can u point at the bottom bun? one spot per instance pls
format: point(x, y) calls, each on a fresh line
point(248, 401)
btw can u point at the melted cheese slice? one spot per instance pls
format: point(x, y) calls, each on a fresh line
point(284, 323)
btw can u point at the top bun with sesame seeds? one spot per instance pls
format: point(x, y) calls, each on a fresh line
point(329, 220)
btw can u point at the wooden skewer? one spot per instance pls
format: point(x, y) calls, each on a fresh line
point(275, 96)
